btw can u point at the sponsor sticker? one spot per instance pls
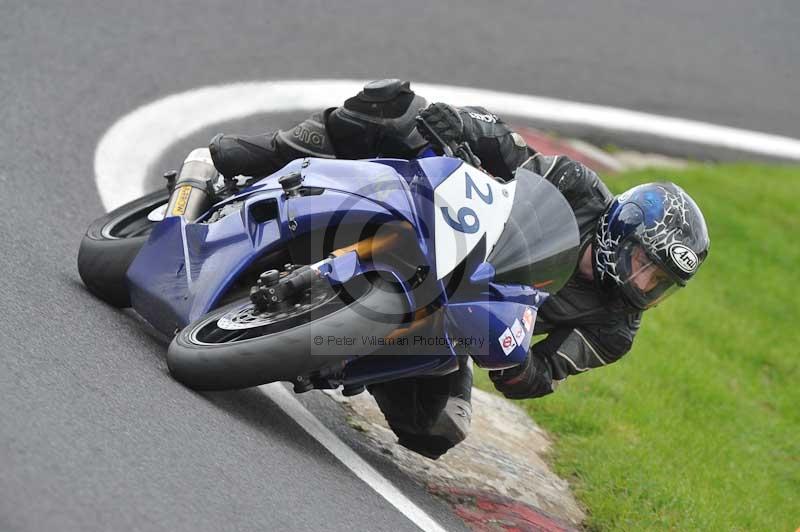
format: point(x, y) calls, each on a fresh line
point(507, 342)
point(182, 201)
point(518, 332)
point(527, 318)
point(489, 118)
point(683, 257)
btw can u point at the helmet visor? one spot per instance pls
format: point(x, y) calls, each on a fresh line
point(643, 281)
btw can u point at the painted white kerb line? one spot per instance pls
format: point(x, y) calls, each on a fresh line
point(130, 148)
point(284, 399)
point(128, 151)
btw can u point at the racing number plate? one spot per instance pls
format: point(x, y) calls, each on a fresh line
point(468, 206)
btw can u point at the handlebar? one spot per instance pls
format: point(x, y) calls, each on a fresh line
point(450, 149)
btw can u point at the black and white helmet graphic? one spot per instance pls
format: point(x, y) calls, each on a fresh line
point(650, 241)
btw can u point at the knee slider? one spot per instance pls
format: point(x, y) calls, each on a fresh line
point(454, 421)
point(449, 429)
point(428, 446)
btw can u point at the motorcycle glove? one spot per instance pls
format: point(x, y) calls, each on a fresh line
point(445, 121)
point(500, 149)
point(521, 382)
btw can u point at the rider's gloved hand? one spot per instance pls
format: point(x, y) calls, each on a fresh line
point(499, 149)
point(445, 120)
point(518, 382)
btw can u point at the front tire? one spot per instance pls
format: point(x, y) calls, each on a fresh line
point(110, 245)
point(212, 354)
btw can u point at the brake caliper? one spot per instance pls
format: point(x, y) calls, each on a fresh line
point(274, 288)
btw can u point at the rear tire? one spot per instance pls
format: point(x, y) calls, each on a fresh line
point(110, 245)
point(285, 353)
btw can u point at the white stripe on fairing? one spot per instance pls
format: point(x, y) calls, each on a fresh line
point(289, 404)
point(129, 150)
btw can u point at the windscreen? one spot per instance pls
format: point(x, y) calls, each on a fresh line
point(540, 242)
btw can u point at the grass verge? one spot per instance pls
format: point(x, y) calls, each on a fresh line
point(698, 427)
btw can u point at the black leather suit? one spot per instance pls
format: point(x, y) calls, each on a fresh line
point(585, 327)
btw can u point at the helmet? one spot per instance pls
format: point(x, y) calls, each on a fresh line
point(649, 242)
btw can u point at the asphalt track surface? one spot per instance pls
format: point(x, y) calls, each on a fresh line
point(94, 435)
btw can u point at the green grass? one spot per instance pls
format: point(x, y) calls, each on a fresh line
point(698, 427)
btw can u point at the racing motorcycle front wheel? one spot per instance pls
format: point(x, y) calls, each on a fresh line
point(239, 345)
point(113, 241)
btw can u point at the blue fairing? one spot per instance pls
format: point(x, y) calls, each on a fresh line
point(491, 320)
point(185, 269)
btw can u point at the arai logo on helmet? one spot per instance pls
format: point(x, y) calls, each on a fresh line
point(683, 257)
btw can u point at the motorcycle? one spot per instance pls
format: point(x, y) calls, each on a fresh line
point(334, 273)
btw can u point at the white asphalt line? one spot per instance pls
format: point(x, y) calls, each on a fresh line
point(129, 149)
point(286, 400)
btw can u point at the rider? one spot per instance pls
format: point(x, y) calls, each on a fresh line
point(636, 248)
